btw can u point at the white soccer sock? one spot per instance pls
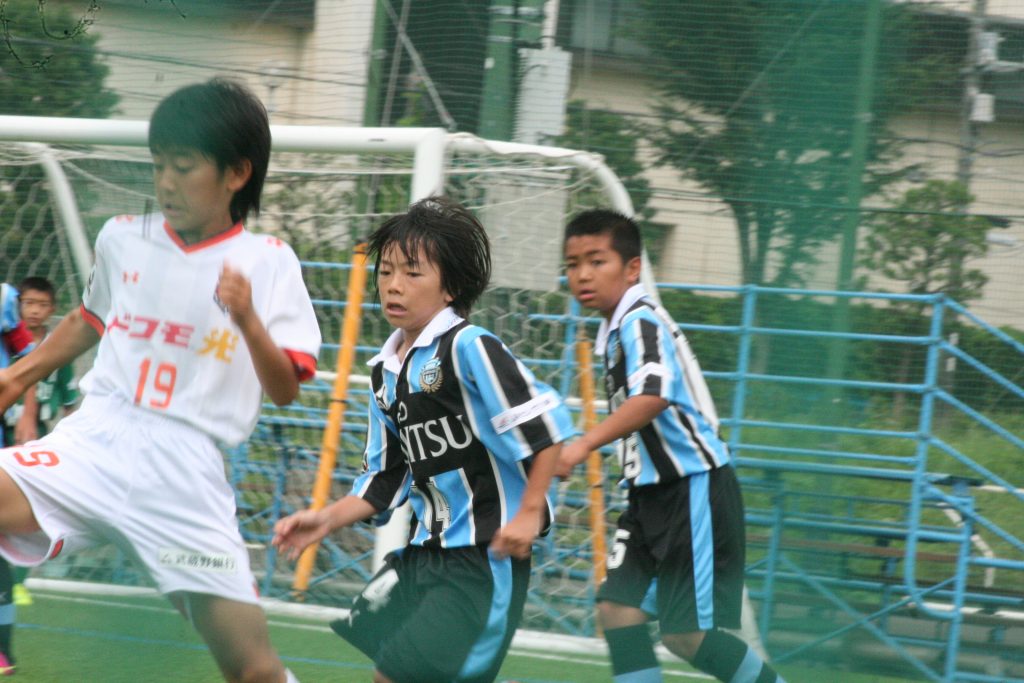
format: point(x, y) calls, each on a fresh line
point(289, 677)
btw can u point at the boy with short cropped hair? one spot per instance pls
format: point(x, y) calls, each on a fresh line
point(195, 318)
point(461, 428)
point(683, 525)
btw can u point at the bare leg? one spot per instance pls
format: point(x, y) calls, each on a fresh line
point(15, 513)
point(237, 635)
point(684, 645)
point(614, 615)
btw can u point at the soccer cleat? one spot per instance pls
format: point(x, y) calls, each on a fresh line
point(22, 598)
point(6, 668)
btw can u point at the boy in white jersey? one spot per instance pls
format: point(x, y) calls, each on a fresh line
point(196, 318)
point(683, 529)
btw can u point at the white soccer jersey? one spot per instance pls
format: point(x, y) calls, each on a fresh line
point(168, 345)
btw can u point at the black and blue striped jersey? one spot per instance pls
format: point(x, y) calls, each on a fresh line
point(645, 353)
point(454, 429)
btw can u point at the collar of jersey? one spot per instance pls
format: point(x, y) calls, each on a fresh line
point(235, 229)
point(441, 323)
point(632, 295)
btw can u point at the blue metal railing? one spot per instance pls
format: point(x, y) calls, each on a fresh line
point(777, 456)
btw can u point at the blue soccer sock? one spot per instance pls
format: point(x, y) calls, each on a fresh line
point(632, 655)
point(728, 658)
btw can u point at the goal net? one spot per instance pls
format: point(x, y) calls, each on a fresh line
point(324, 199)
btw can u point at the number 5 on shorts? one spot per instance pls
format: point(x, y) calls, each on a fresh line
point(618, 554)
point(164, 377)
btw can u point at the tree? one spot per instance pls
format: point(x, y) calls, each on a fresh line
point(51, 66)
point(925, 241)
point(757, 105)
point(924, 245)
point(41, 75)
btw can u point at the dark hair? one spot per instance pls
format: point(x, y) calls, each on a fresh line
point(624, 231)
point(452, 239)
point(38, 284)
point(224, 121)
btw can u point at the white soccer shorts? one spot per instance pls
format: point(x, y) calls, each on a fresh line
point(152, 485)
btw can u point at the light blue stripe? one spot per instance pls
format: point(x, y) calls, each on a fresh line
point(646, 676)
point(750, 668)
point(703, 550)
point(650, 602)
point(7, 613)
point(488, 645)
point(460, 533)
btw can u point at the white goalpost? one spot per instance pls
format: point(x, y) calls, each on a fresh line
point(326, 187)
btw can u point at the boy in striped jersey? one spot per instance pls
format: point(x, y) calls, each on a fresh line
point(684, 522)
point(463, 429)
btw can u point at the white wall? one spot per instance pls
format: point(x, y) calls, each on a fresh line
point(151, 50)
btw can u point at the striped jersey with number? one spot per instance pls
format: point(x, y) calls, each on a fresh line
point(169, 344)
point(645, 353)
point(454, 429)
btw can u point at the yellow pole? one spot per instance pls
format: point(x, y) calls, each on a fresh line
point(595, 470)
point(336, 413)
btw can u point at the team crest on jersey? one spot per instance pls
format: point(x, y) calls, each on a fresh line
point(430, 375)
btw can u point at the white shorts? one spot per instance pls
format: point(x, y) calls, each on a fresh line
point(151, 485)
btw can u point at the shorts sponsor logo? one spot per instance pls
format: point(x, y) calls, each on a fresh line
point(378, 592)
point(192, 559)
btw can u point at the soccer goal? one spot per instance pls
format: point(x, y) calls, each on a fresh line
point(326, 190)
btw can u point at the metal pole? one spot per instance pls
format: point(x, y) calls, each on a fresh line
point(855, 184)
point(336, 412)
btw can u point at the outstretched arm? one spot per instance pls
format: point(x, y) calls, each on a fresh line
point(292, 534)
point(70, 339)
point(634, 413)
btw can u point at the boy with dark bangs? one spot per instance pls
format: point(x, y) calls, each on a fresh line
point(195, 318)
point(461, 428)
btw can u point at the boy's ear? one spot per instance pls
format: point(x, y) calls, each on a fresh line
point(633, 267)
point(239, 174)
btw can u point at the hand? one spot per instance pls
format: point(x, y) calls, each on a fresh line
point(572, 454)
point(292, 534)
point(25, 430)
point(516, 537)
point(235, 292)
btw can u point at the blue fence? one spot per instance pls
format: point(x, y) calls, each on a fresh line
point(872, 534)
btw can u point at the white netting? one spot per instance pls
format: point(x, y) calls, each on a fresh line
point(323, 205)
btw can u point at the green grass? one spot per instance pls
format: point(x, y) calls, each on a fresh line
point(90, 638)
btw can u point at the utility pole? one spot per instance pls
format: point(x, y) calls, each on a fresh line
point(513, 23)
point(973, 110)
point(498, 105)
